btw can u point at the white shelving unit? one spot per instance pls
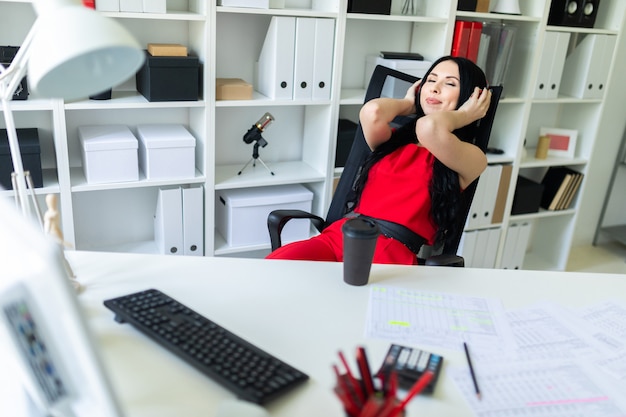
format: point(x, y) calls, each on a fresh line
point(302, 139)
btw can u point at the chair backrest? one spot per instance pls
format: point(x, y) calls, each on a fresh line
point(360, 150)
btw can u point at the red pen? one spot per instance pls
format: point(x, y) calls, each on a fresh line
point(343, 391)
point(415, 389)
point(364, 368)
point(353, 382)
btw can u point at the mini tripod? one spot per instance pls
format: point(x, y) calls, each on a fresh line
point(254, 135)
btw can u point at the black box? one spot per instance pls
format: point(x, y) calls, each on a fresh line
point(527, 196)
point(369, 6)
point(7, 53)
point(467, 5)
point(31, 156)
point(345, 137)
point(169, 78)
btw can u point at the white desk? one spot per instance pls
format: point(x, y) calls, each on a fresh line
point(301, 312)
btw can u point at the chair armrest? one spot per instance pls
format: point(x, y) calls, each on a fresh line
point(277, 219)
point(445, 260)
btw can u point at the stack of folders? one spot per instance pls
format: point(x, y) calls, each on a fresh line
point(488, 44)
point(479, 243)
point(179, 221)
point(560, 187)
point(515, 245)
point(296, 59)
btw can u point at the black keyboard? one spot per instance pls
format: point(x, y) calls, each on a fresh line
point(247, 371)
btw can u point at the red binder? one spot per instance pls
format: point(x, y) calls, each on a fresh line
point(476, 28)
point(460, 40)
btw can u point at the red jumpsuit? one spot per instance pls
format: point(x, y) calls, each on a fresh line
point(397, 189)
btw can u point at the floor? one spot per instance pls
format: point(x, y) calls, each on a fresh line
point(604, 258)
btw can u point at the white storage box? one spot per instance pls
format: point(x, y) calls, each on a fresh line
point(241, 214)
point(166, 151)
point(109, 153)
point(394, 87)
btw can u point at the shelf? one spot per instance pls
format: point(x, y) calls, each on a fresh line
point(79, 182)
point(257, 176)
point(121, 99)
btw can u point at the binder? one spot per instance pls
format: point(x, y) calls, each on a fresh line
point(503, 192)
point(193, 221)
point(303, 58)
point(274, 71)
point(558, 63)
point(490, 194)
point(551, 65)
point(473, 217)
point(508, 254)
point(323, 58)
point(168, 221)
point(483, 49)
point(521, 244)
point(491, 249)
point(480, 250)
point(586, 68)
point(473, 42)
point(467, 246)
point(460, 39)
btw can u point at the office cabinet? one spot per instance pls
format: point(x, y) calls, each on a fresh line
point(299, 146)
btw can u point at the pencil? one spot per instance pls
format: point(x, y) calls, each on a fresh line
point(471, 368)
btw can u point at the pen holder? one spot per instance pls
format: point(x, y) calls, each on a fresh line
point(378, 404)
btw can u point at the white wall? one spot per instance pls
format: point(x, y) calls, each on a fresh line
point(610, 132)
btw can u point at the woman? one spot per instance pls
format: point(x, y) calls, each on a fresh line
point(416, 174)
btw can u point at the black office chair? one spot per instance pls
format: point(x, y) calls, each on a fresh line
point(445, 255)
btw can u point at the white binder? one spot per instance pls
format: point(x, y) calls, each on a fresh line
point(508, 255)
point(274, 70)
point(586, 68)
point(467, 246)
point(490, 194)
point(480, 250)
point(193, 221)
point(491, 250)
point(168, 221)
point(323, 58)
point(551, 65)
point(521, 245)
point(303, 58)
point(474, 215)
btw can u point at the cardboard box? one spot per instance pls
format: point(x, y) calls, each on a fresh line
point(30, 150)
point(169, 78)
point(241, 214)
point(166, 151)
point(109, 153)
point(394, 87)
point(232, 89)
point(167, 49)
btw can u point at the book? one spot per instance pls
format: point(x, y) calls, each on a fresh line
point(556, 182)
point(401, 55)
point(571, 191)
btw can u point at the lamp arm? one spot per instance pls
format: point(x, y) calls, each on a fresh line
point(12, 76)
point(9, 80)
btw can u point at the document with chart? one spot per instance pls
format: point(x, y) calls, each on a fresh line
point(436, 319)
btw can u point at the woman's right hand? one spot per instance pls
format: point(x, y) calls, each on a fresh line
point(411, 93)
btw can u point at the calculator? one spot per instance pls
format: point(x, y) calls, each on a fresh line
point(409, 364)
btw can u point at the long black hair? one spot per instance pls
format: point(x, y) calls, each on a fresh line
point(445, 190)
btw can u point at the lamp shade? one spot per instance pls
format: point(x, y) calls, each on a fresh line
point(77, 52)
point(507, 7)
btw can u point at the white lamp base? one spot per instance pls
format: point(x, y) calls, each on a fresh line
point(507, 7)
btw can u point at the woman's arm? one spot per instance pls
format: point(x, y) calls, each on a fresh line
point(435, 133)
point(376, 114)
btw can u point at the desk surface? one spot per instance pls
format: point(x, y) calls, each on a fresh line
point(301, 312)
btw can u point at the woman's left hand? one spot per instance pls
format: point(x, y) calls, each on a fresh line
point(477, 105)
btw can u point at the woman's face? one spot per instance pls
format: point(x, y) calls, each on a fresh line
point(441, 88)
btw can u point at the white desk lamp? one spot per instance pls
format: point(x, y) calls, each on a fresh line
point(70, 52)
